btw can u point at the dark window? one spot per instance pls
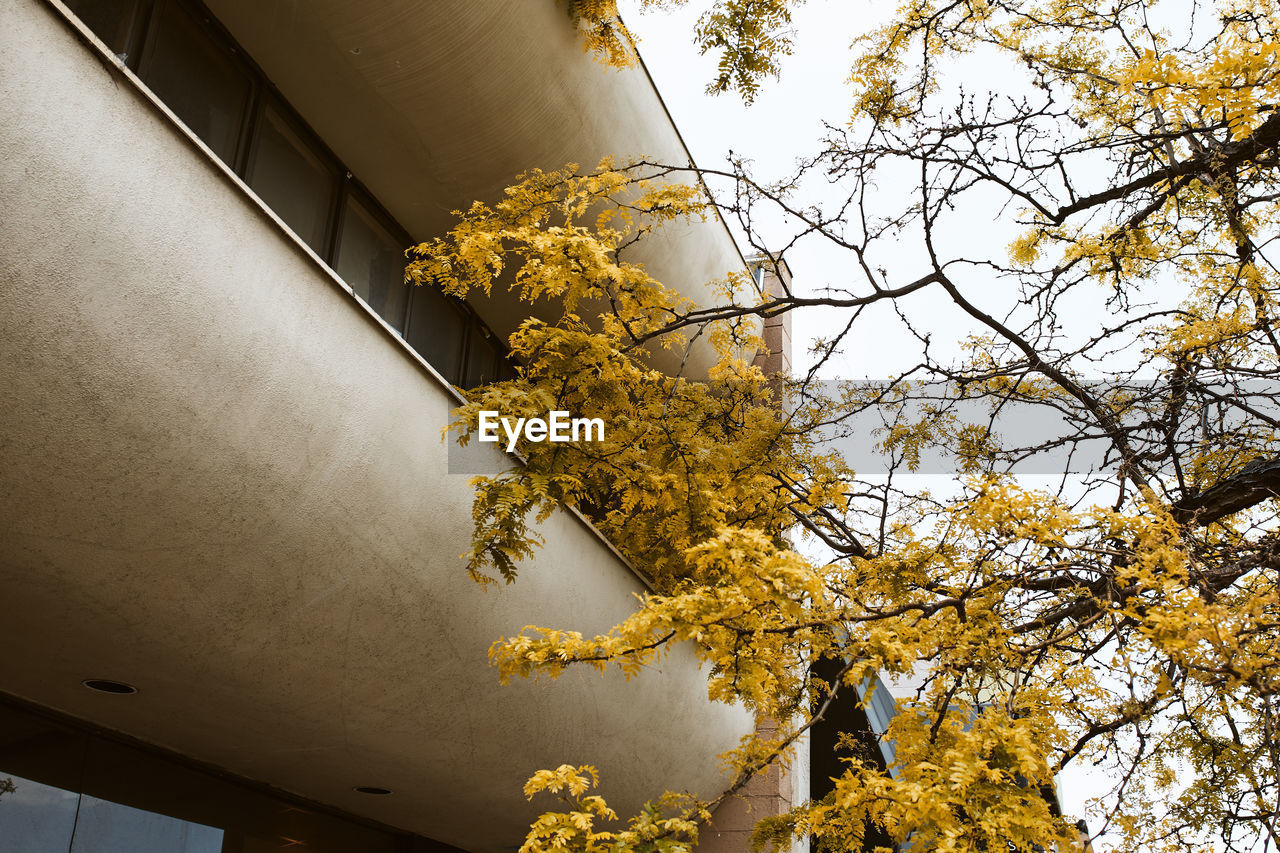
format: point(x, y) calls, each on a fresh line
point(76, 791)
point(110, 20)
point(205, 85)
point(371, 260)
point(482, 356)
point(293, 178)
point(507, 369)
point(843, 732)
point(437, 328)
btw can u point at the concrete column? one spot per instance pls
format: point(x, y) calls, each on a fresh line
point(775, 277)
point(782, 786)
point(774, 792)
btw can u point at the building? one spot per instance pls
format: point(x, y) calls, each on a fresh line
point(231, 613)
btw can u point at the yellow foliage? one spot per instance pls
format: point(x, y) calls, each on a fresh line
point(1133, 624)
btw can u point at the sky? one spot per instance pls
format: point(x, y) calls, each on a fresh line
point(785, 121)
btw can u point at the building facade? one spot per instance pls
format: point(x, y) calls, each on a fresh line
point(231, 609)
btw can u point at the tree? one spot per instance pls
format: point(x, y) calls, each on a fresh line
point(1127, 616)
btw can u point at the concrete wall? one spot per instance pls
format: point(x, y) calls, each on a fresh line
point(223, 482)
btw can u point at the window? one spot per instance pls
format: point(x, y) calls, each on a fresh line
point(205, 86)
point(111, 20)
point(293, 178)
point(437, 330)
point(78, 791)
point(371, 259)
point(482, 356)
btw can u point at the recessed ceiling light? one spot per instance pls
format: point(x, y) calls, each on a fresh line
point(371, 789)
point(106, 685)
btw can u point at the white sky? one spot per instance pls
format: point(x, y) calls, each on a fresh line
point(784, 122)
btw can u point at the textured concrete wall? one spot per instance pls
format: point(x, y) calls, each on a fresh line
point(223, 482)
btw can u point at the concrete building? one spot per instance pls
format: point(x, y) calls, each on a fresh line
point(232, 616)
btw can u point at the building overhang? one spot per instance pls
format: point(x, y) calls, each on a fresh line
point(224, 483)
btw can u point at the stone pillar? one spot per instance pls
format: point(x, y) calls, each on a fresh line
point(781, 787)
point(774, 278)
point(773, 792)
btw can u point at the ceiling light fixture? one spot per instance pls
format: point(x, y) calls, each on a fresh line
point(106, 685)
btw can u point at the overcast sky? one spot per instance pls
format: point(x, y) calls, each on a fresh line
point(785, 122)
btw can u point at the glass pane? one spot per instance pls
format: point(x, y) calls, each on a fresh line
point(372, 261)
point(482, 358)
point(109, 19)
point(36, 818)
point(199, 81)
point(435, 331)
point(292, 178)
point(106, 827)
